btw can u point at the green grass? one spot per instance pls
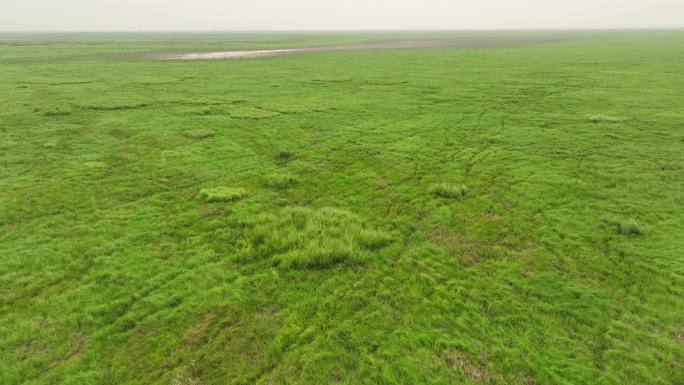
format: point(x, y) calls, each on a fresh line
point(446, 190)
point(629, 227)
point(280, 181)
point(302, 219)
point(199, 133)
point(252, 113)
point(222, 194)
point(305, 238)
point(606, 119)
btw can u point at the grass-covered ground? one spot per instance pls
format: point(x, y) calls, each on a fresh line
point(502, 215)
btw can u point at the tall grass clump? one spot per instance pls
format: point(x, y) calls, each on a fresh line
point(447, 190)
point(222, 194)
point(280, 181)
point(628, 227)
point(284, 156)
point(199, 133)
point(300, 237)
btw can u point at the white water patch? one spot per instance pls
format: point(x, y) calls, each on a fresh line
point(476, 41)
point(231, 54)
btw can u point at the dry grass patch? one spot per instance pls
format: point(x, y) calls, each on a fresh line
point(199, 331)
point(455, 244)
point(474, 372)
point(184, 377)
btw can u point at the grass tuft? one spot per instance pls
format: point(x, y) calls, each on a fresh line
point(446, 190)
point(628, 227)
point(199, 133)
point(305, 238)
point(280, 181)
point(223, 194)
point(284, 156)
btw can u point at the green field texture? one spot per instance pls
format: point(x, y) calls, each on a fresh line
point(499, 215)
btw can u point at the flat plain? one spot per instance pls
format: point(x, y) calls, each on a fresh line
point(499, 213)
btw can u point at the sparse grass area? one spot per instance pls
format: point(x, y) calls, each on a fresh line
point(343, 247)
point(252, 113)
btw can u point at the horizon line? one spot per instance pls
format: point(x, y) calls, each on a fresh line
point(511, 29)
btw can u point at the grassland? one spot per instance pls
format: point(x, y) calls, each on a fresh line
point(504, 215)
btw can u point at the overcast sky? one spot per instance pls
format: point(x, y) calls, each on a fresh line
point(139, 15)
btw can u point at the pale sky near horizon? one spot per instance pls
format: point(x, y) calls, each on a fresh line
point(252, 15)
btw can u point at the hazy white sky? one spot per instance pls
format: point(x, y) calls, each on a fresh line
point(138, 15)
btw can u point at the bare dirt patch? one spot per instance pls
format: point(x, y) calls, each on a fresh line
point(474, 372)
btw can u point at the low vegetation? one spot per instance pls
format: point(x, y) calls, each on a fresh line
point(280, 181)
point(606, 119)
point(305, 219)
point(446, 190)
point(629, 227)
point(301, 237)
point(222, 194)
point(252, 113)
point(199, 133)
